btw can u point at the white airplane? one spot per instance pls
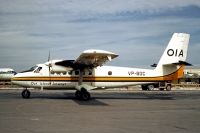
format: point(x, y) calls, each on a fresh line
point(87, 73)
point(6, 74)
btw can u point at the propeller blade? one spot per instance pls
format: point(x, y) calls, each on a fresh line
point(50, 65)
point(49, 56)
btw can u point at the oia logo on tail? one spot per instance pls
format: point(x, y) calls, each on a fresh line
point(176, 52)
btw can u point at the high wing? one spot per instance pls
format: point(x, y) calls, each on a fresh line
point(89, 58)
point(95, 57)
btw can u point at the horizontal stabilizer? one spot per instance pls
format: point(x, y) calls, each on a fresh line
point(183, 63)
point(154, 65)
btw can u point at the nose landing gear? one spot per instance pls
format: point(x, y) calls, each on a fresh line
point(26, 94)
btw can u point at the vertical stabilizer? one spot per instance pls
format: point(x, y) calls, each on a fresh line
point(174, 57)
point(176, 50)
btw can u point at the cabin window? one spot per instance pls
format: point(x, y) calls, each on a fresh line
point(89, 73)
point(109, 72)
point(8, 72)
point(76, 72)
point(58, 73)
point(3, 72)
point(70, 72)
point(52, 72)
point(64, 73)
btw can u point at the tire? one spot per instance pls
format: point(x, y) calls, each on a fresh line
point(144, 87)
point(168, 88)
point(150, 87)
point(26, 94)
point(78, 94)
point(85, 95)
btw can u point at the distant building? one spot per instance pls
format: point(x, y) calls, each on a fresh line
point(191, 76)
point(192, 72)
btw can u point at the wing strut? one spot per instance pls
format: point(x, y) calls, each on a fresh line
point(80, 79)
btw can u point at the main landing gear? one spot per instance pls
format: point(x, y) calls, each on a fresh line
point(26, 94)
point(83, 94)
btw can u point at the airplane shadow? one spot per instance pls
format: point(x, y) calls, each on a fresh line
point(97, 99)
point(138, 98)
point(68, 96)
point(91, 102)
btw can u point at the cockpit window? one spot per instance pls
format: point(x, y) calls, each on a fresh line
point(37, 70)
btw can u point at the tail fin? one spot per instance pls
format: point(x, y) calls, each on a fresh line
point(173, 59)
point(176, 51)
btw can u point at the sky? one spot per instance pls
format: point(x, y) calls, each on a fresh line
point(137, 30)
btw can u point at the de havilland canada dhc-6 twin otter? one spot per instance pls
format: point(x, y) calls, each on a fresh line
point(87, 71)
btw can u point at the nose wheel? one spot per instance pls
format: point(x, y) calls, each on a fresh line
point(26, 94)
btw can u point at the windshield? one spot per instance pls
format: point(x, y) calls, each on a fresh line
point(31, 69)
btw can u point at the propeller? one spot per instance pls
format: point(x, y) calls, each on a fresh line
point(49, 65)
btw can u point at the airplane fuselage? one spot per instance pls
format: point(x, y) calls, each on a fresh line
point(100, 77)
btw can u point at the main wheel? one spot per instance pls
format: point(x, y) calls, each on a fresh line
point(85, 96)
point(78, 94)
point(150, 87)
point(144, 87)
point(26, 94)
point(168, 88)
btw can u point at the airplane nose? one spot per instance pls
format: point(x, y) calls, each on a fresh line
point(18, 80)
point(14, 79)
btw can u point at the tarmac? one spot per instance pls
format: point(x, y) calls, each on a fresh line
point(176, 111)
